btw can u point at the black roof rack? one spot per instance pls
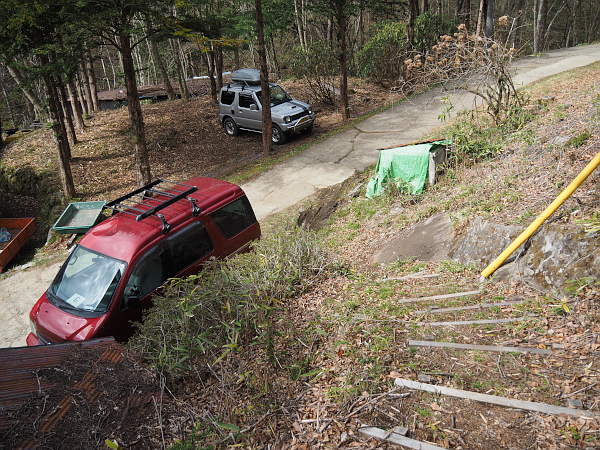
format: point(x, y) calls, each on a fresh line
point(133, 202)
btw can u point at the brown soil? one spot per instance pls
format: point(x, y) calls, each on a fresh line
point(87, 399)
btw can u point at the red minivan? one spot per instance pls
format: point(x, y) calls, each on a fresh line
point(163, 230)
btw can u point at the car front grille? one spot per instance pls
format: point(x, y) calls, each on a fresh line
point(300, 114)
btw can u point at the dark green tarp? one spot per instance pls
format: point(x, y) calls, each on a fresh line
point(403, 167)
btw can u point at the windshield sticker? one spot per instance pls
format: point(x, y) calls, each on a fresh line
point(76, 300)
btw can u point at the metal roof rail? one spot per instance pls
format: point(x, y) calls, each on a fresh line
point(137, 201)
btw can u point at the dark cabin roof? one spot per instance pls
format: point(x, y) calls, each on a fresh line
point(196, 86)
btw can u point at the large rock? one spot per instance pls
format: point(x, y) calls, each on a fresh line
point(483, 242)
point(555, 255)
point(560, 254)
point(428, 241)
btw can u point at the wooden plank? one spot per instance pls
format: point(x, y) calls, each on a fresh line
point(467, 308)
point(495, 400)
point(487, 348)
point(394, 438)
point(417, 275)
point(437, 297)
point(472, 322)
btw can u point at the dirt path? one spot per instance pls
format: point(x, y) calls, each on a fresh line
point(18, 293)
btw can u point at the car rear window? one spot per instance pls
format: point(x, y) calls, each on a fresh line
point(227, 97)
point(234, 218)
point(189, 245)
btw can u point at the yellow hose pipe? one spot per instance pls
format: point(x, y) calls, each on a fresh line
point(542, 217)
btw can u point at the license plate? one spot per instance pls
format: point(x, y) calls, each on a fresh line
point(301, 121)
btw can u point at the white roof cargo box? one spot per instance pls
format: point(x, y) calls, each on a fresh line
point(246, 76)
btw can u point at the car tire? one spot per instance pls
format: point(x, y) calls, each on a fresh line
point(308, 129)
point(278, 136)
point(231, 127)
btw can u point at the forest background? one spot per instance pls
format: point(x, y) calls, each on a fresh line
point(57, 55)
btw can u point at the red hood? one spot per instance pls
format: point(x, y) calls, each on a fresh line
point(57, 325)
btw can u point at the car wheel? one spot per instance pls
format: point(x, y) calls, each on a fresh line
point(308, 129)
point(278, 136)
point(230, 127)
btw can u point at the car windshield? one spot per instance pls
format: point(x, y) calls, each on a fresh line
point(88, 280)
point(278, 95)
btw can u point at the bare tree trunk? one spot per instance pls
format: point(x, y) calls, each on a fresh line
point(466, 13)
point(86, 85)
point(297, 16)
point(341, 19)
point(79, 122)
point(489, 19)
point(213, 83)
point(424, 6)
point(267, 124)
point(82, 102)
point(92, 79)
point(236, 57)
point(539, 24)
point(31, 96)
point(10, 110)
point(410, 30)
point(58, 133)
point(549, 26)
point(219, 66)
point(66, 113)
point(569, 24)
point(518, 13)
point(161, 65)
point(143, 77)
point(459, 8)
point(180, 79)
point(275, 62)
point(136, 119)
point(593, 20)
point(480, 17)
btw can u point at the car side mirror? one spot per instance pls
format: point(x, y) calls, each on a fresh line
point(253, 107)
point(133, 302)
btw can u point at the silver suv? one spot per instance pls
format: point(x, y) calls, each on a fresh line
point(240, 108)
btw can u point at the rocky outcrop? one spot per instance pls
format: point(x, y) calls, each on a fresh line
point(483, 242)
point(555, 256)
point(21, 182)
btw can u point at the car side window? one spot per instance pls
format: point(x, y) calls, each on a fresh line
point(149, 273)
point(189, 245)
point(234, 218)
point(227, 97)
point(246, 101)
point(167, 259)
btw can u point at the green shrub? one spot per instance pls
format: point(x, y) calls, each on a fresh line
point(382, 57)
point(197, 321)
point(476, 138)
point(429, 27)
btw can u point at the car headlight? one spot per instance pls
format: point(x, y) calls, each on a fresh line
point(287, 119)
point(310, 110)
point(32, 327)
